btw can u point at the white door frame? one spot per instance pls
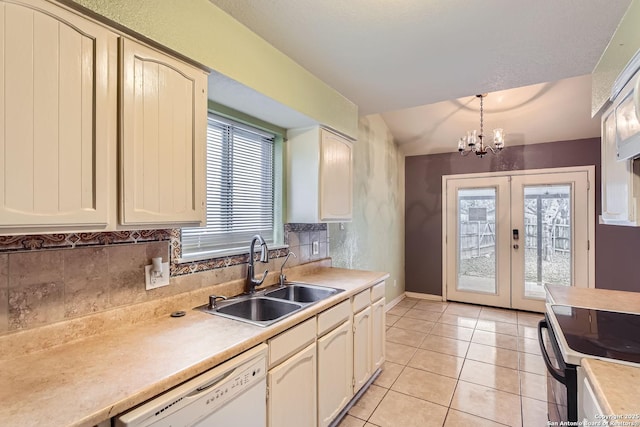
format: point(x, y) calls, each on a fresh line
point(591, 173)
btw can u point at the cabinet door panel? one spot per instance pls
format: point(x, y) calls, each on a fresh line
point(56, 110)
point(292, 391)
point(163, 138)
point(335, 372)
point(335, 178)
point(361, 348)
point(377, 335)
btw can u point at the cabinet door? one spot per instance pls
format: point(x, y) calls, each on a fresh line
point(336, 181)
point(292, 391)
point(619, 203)
point(57, 115)
point(335, 372)
point(361, 348)
point(163, 144)
point(377, 334)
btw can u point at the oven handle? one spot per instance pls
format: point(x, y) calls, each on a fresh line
point(555, 373)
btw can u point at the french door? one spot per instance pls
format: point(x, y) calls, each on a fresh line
point(506, 236)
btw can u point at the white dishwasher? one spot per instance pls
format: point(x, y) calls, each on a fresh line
point(231, 394)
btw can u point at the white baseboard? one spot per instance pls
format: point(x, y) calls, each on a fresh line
point(423, 296)
point(388, 306)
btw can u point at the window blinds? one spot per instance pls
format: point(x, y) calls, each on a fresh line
point(240, 189)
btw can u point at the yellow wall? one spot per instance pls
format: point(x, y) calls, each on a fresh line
point(203, 32)
point(374, 240)
point(623, 45)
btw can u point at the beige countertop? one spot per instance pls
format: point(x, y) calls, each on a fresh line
point(615, 385)
point(83, 382)
point(602, 299)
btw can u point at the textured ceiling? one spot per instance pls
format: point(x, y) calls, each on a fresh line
point(546, 112)
point(386, 55)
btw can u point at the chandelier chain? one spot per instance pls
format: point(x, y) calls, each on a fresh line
point(481, 117)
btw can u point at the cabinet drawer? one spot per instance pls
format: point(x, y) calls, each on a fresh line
point(361, 300)
point(328, 319)
point(288, 342)
point(377, 292)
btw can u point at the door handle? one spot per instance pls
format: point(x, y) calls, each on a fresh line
point(516, 246)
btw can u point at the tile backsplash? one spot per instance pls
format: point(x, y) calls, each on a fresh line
point(46, 279)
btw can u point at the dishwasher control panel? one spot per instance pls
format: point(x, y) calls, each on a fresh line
point(235, 385)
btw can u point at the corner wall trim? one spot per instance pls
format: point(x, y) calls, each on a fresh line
point(419, 295)
point(394, 302)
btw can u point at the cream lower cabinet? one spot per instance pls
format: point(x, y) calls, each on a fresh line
point(56, 114)
point(377, 334)
point(292, 377)
point(163, 145)
point(335, 362)
point(292, 391)
point(361, 348)
point(311, 380)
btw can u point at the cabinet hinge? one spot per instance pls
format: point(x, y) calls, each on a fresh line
point(588, 245)
point(588, 185)
point(353, 382)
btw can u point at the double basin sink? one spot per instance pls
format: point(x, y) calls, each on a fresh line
point(271, 305)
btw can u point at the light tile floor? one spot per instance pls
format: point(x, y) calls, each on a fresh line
point(454, 365)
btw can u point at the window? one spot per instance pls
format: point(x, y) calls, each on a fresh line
point(240, 190)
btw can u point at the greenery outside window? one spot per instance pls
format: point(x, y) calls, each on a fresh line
point(243, 190)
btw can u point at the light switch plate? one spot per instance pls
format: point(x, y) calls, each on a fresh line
point(315, 248)
point(156, 282)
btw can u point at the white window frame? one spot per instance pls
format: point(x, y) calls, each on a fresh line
point(276, 240)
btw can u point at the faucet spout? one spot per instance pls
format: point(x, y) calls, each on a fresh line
point(252, 282)
point(282, 276)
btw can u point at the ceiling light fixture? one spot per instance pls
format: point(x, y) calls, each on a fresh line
point(473, 143)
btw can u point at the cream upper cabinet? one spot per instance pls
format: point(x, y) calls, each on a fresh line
point(620, 180)
point(163, 138)
point(58, 102)
point(319, 176)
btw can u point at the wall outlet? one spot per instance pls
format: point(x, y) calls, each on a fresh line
point(153, 282)
point(315, 248)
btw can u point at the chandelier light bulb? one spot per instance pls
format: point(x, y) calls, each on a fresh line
point(498, 138)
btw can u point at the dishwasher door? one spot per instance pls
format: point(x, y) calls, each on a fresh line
point(231, 394)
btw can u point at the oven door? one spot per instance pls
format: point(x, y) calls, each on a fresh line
point(562, 381)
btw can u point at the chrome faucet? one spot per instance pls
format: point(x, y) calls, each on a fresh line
point(282, 276)
point(252, 282)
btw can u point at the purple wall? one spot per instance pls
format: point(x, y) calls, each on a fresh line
point(617, 248)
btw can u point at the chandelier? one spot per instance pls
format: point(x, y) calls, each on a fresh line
point(474, 142)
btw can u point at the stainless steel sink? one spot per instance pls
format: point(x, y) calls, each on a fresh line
point(259, 309)
point(302, 292)
point(270, 305)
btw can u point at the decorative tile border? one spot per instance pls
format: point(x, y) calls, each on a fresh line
point(297, 227)
point(180, 269)
point(38, 242)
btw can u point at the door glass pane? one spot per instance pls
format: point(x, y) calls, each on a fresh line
point(547, 238)
point(477, 240)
